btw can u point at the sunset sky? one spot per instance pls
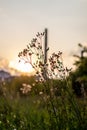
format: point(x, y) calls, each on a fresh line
point(20, 20)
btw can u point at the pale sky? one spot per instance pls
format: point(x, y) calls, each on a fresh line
point(20, 20)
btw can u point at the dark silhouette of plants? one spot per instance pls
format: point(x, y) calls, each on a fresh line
point(62, 108)
point(79, 76)
point(34, 54)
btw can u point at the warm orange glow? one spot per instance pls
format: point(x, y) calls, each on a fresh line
point(21, 66)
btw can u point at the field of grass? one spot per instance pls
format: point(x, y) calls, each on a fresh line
point(49, 106)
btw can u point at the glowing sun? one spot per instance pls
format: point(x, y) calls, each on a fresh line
point(21, 66)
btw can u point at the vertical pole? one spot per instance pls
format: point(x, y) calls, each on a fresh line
point(45, 45)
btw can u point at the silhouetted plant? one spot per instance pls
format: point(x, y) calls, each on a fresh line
point(63, 108)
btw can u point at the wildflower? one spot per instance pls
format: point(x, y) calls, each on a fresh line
point(14, 116)
point(26, 88)
point(40, 93)
point(53, 69)
point(33, 84)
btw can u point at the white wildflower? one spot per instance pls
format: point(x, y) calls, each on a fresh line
point(26, 88)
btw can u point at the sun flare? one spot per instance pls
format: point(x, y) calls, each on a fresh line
point(21, 66)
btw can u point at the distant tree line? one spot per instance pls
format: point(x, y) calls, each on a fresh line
point(79, 76)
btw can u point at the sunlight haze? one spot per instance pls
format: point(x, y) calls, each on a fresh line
point(20, 20)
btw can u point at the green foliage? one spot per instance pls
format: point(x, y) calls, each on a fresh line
point(47, 103)
point(80, 73)
point(59, 111)
point(81, 63)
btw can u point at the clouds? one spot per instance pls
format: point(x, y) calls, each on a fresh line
point(3, 63)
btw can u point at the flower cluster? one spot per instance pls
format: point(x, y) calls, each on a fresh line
point(26, 88)
point(56, 65)
point(34, 55)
